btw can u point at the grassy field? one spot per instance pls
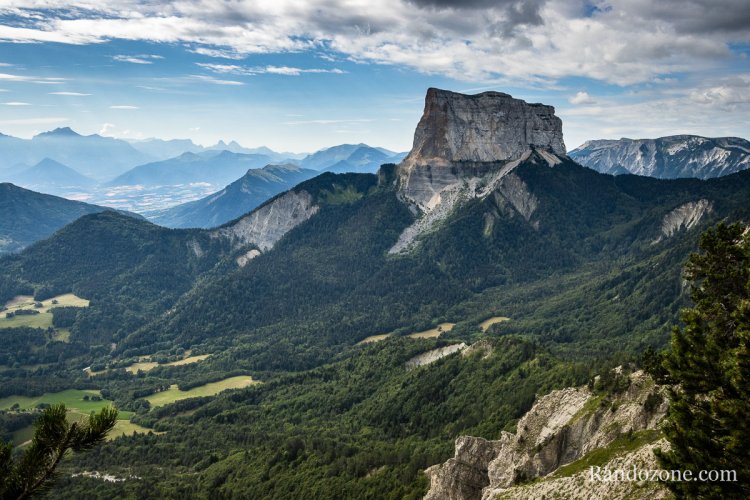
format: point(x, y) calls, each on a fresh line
point(141, 366)
point(374, 338)
point(174, 394)
point(484, 325)
point(77, 410)
point(72, 398)
point(150, 365)
point(127, 428)
point(44, 318)
point(433, 332)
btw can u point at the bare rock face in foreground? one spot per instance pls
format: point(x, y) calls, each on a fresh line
point(562, 427)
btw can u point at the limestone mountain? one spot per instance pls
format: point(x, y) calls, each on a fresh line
point(238, 198)
point(668, 157)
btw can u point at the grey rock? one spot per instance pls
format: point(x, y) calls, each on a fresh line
point(560, 428)
point(266, 225)
point(463, 147)
point(487, 127)
point(685, 217)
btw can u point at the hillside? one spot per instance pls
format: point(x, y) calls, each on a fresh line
point(238, 198)
point(27, 216)
point(669, 157)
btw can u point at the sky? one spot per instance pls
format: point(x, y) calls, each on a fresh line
point(299, 75)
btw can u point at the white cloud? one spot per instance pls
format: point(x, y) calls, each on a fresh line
point(581, 97)
point(218, 53)
point(123, 106)
point(259, 70)
point(138, 59)
point(71, 94)
point(107, 128)
point(33, 79)
point(16, 103)
point(621, 41)
point(217, 81)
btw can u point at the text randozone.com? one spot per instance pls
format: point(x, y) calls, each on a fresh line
point(597, 473)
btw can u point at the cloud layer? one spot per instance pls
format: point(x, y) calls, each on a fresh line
point(616, 41)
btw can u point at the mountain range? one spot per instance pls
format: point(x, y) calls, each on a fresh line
point(94, 156)
point(326, 294)
point(350, 158)
point(212, 167)
point(672, 157)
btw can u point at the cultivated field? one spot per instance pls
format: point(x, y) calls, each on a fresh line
point(484, 325)
point(433, 332)
point(174, 394)
point(44, 318)
point(78, 408)
point(150, 365)
point(374, 338)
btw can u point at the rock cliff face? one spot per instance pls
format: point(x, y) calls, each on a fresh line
point(685, 216)
point(484, 128)
point(463, 147)
point(266, 225)
point(666, 157)
point(560, 428)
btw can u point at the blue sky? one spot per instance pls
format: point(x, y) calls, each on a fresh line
point(298, 76)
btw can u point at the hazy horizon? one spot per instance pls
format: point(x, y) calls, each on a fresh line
point(303, 77)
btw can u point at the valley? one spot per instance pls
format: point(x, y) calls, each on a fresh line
point(291, 352)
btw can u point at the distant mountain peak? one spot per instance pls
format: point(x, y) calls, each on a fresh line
point(669, 157)
point(48, 162)
point(60, 132)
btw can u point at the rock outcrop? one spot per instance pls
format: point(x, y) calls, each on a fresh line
point(267, 224)
point(666, 157)
point(484, 128)
point(685, 216)
point(560, 428)
point(464, 146)
point(429, 357)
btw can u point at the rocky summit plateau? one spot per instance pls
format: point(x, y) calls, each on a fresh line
point(463, 136)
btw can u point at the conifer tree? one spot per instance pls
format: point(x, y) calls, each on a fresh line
point(32, 472)
point(708, 423)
